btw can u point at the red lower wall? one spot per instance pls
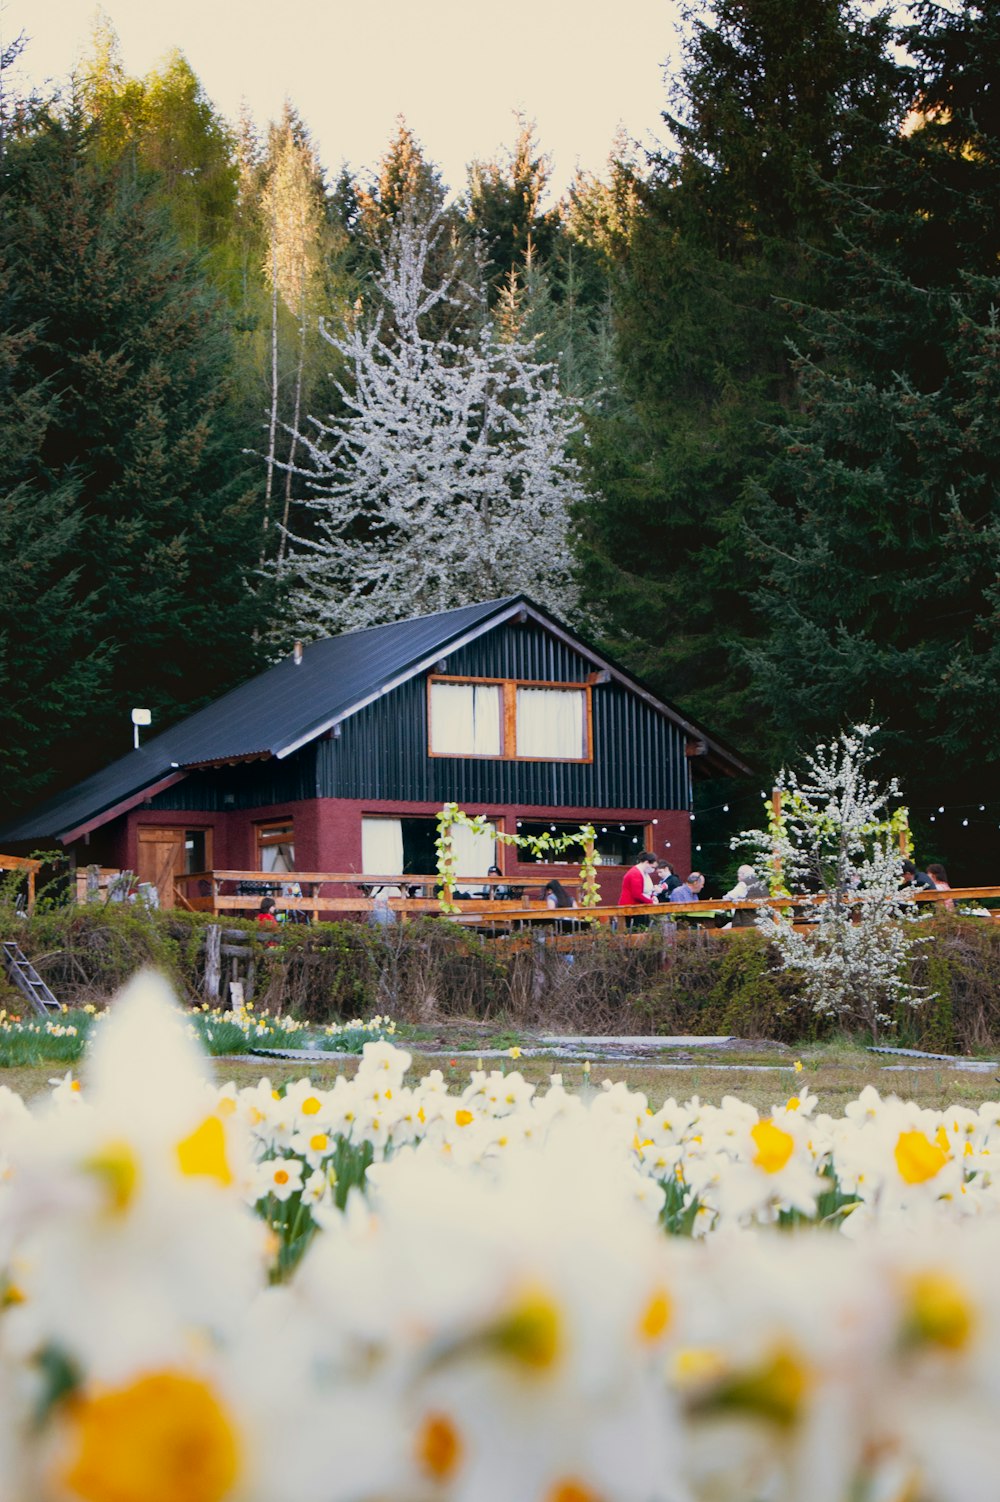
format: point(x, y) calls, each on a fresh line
point(328, 834)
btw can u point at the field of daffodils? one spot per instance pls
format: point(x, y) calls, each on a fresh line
point(392, 1293)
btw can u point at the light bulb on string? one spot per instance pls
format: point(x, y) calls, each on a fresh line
point(965, 823)
point(941, 809)
point(933, 818)
point(725, 808)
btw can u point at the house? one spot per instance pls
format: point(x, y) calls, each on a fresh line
point(339, 758)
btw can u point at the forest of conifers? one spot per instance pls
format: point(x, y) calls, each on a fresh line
point(730, 409)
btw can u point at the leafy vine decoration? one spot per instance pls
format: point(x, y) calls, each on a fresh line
point(539, 844)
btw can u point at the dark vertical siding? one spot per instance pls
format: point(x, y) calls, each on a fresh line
point(252, 784)
point(639, 759)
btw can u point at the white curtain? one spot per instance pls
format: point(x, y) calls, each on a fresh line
point(474, 853)
point(278, 858)
point(550, 723)
point(466, 719)
point(381, 847)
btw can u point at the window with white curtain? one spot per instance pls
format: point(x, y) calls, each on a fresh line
point(466, 719)
point(552, 723)
point(381, 847)
point(474, 853)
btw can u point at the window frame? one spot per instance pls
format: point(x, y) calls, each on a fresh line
point(508, 724)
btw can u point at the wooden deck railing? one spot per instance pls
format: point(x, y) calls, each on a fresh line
point(341, 894)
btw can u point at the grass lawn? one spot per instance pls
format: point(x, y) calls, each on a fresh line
point(761, 1073)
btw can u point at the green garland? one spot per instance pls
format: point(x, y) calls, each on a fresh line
point(451, 814)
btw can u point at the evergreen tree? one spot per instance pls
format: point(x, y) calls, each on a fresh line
point(879, 528)
point(503, 208)
point(447, 479)
point(140, 454)
point(772, 100)
point(52, 666)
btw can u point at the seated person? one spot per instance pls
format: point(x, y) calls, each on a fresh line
point(556, 894)
point(266, 912)
point(493, 893)
point(922, 880)
point(748, 884)
point(939, 877)
point(689, 890)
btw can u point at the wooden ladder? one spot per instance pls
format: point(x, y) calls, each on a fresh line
point(27, 979)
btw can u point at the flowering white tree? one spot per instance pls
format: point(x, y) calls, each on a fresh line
point(835, 837)
point(447, 478)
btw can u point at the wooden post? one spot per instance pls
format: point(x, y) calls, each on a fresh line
point(31, 890)
point(904, 837)
point(213, 961)
point(93, 883)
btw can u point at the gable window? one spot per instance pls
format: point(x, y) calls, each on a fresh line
point(509, 719)
point(465, 719)
point(551, 723)
point(276, 847)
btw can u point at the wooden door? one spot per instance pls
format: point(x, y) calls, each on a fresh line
point(161, 858)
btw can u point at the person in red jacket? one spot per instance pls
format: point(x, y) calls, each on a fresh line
point(637, 885)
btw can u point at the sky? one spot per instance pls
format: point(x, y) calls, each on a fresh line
point(456, 69)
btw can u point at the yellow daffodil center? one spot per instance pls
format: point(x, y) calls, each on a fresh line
point(917, 1158)
point(939, 1312)
point(774, 1390)
point(116, 1167)
point(162, 1437)
point(439, 1448)
point(774, 1147)
point(656, 1316)
point(310, 1106)
point(464, 1118)
point(532, 1332)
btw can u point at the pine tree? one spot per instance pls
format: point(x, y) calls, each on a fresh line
point(879, 527)
point(447, 479)
point(140, 453)
point(503, 208)
point(773, 102)
point(52, 664)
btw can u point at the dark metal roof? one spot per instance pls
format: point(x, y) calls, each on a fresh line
point(280, 710)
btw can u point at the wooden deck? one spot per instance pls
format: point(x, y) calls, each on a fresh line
point(332, 895)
